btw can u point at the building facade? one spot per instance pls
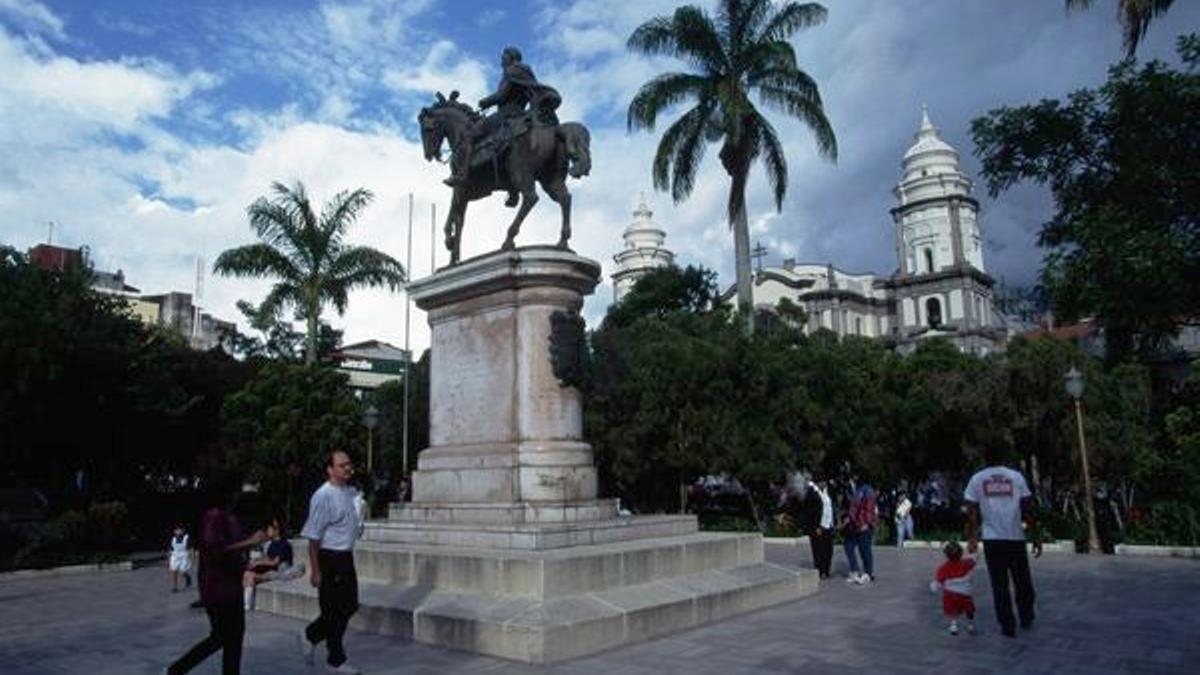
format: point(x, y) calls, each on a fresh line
point(940, 287)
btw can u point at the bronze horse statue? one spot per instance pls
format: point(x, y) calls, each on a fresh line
point(545, 154)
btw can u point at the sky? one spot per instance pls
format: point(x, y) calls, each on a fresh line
point(142, 130)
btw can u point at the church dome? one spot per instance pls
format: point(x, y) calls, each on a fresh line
point(643, 232)
point(930, 166)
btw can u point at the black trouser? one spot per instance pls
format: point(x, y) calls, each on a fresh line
point(338, 599)
point(1004, 559)
point(821, 541)
point(228, 627)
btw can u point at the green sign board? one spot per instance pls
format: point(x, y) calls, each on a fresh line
point(379, 366)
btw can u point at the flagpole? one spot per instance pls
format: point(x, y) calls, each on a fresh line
point(407, 346)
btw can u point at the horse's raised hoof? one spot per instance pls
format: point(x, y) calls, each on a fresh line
point(513, 199)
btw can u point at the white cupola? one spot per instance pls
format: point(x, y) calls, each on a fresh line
point(644, 250)
point(935, 215)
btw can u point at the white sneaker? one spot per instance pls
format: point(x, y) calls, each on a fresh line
point(852, 578)
point(307, 648)
point(345, 669)
point(971, 627)
point(953, 628)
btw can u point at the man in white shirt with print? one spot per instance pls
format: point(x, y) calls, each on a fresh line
point(999, 497)
point(332, 527)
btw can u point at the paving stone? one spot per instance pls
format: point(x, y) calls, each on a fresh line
point(1109, 614)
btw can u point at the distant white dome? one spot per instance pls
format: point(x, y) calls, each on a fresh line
point(930, 167)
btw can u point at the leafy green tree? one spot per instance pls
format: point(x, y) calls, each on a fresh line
point(283, 423)
point(742, 52)
point(92, 401)
point(309, 257)
point(665, 291)
point(1121, 163)
point(1135, 17)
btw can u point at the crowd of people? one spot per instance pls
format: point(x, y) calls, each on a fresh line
point(997, 512)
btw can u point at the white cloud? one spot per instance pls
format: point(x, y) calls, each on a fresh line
point(34, 17)
point(443, 69)
point(114, 95)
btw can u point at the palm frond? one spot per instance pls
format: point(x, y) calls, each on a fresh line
point(1134, 16)
point(807, 109)
point(693, 122)
point(688, 156)
point(738, 20)
point(270, 221)
point(282, 295)
point(688, 34)
point(774, 159)
point(661, 93)
point(697, 41)
point(790, 18)
point(341, 211)
point(366, 266)
point(770, 58)
point(256, 260)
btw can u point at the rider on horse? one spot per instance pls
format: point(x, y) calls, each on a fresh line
point(518, 88)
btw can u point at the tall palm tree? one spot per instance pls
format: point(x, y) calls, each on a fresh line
point(744, 50)
point(1135, 17)
point(309, 256)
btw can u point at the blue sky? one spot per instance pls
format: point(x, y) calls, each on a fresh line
point(144, 129)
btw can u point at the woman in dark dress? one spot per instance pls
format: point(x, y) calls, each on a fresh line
point(222, 547)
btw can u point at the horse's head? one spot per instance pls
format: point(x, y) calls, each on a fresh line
point(445, 120)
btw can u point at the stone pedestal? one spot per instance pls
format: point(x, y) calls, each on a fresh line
point(505, 548)
point(506, 439)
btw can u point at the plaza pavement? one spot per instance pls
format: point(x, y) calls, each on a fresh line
point(1096, 615)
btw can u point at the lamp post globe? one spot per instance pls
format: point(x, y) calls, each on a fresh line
point(1075, 383)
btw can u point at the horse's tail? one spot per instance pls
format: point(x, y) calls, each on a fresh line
point(577, 142)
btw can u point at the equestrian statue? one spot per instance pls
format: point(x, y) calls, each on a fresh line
point(520, 145)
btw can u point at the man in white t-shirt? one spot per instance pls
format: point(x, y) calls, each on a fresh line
point(999, 497)
point(333, 525)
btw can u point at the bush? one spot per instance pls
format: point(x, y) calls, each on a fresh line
point(1166, 523)
point(99, 534)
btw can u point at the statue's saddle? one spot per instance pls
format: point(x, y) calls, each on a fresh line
point(492, 146)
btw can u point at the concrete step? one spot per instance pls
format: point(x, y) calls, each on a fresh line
point(529, 536)
point(497, 513)
point(533, 630)
point(555, 572)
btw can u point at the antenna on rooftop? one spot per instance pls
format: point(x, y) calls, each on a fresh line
point(50, 233)
point(196, 298)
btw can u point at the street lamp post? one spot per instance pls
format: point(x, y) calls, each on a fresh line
point(1074, 382)
point(370, 420)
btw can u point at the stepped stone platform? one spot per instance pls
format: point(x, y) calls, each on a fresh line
point(541, 606)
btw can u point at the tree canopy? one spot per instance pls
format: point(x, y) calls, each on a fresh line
point(1122, 163)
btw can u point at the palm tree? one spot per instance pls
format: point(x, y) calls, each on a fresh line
point(1135, 17)
point(309, 256)
point(744, 50)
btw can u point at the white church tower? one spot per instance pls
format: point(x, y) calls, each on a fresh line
point(644, 251)
point(941, 287)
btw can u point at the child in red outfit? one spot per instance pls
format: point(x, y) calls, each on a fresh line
point(953, 579)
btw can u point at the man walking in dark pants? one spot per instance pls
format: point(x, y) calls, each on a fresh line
point(999, 497)
point(331, 529)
